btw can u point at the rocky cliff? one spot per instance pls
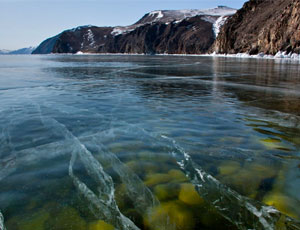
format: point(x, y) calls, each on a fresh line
point(266, 26)
point(192, 35)
point(158, 32)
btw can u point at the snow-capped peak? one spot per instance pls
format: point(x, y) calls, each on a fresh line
point(80, 27)
point(219, 11)
point(168, 16)
point(182, 14)
point(158, 13)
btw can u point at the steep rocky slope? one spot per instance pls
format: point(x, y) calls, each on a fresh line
point(192, 35)
point(84, 39)
point(168, 31)
point(266, 26)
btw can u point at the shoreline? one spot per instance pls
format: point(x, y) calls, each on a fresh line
point(279, 56)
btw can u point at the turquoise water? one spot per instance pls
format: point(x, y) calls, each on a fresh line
point(149, 142)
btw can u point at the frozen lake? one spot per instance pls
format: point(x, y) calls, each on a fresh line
point(96, 142)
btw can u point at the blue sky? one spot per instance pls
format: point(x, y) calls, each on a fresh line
point(25, 23)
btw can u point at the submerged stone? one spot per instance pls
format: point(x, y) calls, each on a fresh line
point(52, 207)
point(212, 220)
point(134, 215)
point(120, 196)
point(248, 179)
point(177, 175)
point(271, 140)
point(236, 140)
point(229, 167)
point(142, 167)
point(33, 204)
point(166, 191)
point(154, 156)
point(68, 218)
point(100, 225)
point(35, 221)
point(171, 215)
point(189, 195)
point(262, 171)
point(296, 140)
point(157, 178)
point(162, 178)
point(283, 203)
point(12, 223)
point(272, 143)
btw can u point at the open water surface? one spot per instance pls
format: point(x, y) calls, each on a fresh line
point(148, 142)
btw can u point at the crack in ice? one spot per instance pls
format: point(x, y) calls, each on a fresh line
point(244, 212)
point(104, 205)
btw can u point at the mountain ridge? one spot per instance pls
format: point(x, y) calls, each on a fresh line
point(161, 31)
point(27, 50)
point(259, 27)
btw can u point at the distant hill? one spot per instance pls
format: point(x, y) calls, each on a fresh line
point(23, 51)
point(158, 32)
point(19, 51)
point(4, 51)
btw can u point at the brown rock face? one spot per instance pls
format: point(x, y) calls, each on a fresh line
point(189, 36)
point(84, 39)
point(158, 32)
point(266, 26)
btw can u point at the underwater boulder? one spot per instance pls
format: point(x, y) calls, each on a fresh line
point(172, 215)
point(161, 178)
point(34, 221)
point(273, 143)
point(157, 178)
point(189, 195)
point(100, 225)
point(168, 191)
point(142, 167)
point(68, 218)
point(281, 202)
point(248, 179)
point(228, 168)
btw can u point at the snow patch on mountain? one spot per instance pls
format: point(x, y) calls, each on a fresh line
point(80, 27)
point(122, 30)
point(218, 24)
point(220, 11)
point(157, 13)
point(90, 37)
point(176, 16)
point(182, 14)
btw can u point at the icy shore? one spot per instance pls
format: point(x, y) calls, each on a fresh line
point(279, 56)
